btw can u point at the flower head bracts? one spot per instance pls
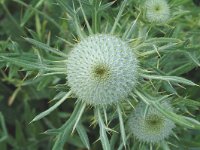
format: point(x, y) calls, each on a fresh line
point(101, 70)
point(151, 127)
point(157, 11)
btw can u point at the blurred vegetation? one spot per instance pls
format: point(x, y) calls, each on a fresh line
point(25, 92)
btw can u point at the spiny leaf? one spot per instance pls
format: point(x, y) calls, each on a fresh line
point(73, 14)
point(182, 120)
point(103, 135)
point(121, 9)
point(79, 116)
point(106, 6)
point(170, 79)
point(66, 129)
point(34, 9)
point(85, 18)
point(121, 123)
point(45, 47)
point(24, 63)
point(161, 40)
point(52, 108)
point(83, 135)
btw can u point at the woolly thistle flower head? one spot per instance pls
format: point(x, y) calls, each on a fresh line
point(157, 11)
point(101, 69)
point(152, 127)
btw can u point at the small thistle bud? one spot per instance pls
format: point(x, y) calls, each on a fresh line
point(157, 11)
point(151, 127)
point(101, 70)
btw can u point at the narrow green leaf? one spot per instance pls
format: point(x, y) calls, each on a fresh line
point(129, 32)
point(182, 69)
point(85, 18)
point(169, 88)
point(66, 6)
point(168, 48)
point(121, 123)
point(170, 79)
point(60, 141)
point(24, 63)
point(182, 120)
point(39, 12)
point(106, 6)
point(162, 40)
point(79, 116)
point(66, 129)
point(187, 102)
point(95, 16)
point(48, 111)
point(121, 9)
point(103, 136)
point(73, 14)
point(194, 58)
point(141, 96)
point(45, 47)
point(29, 13)
point(52, 132)
point(114, 140)
point(83, 135)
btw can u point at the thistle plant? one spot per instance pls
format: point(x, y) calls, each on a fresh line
point(107, 65)
point(101, 69)
point(150, 126)
point(157, 11)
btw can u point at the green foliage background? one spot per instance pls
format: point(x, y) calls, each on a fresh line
point(27, 87)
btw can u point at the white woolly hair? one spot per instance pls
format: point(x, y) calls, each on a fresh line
point(101, 70)
point(152, 127)
point(157, 11)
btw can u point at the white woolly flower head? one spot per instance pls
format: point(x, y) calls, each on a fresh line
point(157, 11)
point(101, 69)
point(152, 127)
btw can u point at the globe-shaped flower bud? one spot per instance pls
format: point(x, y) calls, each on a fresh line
point(157, 11)
point(101, 69)
point(152, 127)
